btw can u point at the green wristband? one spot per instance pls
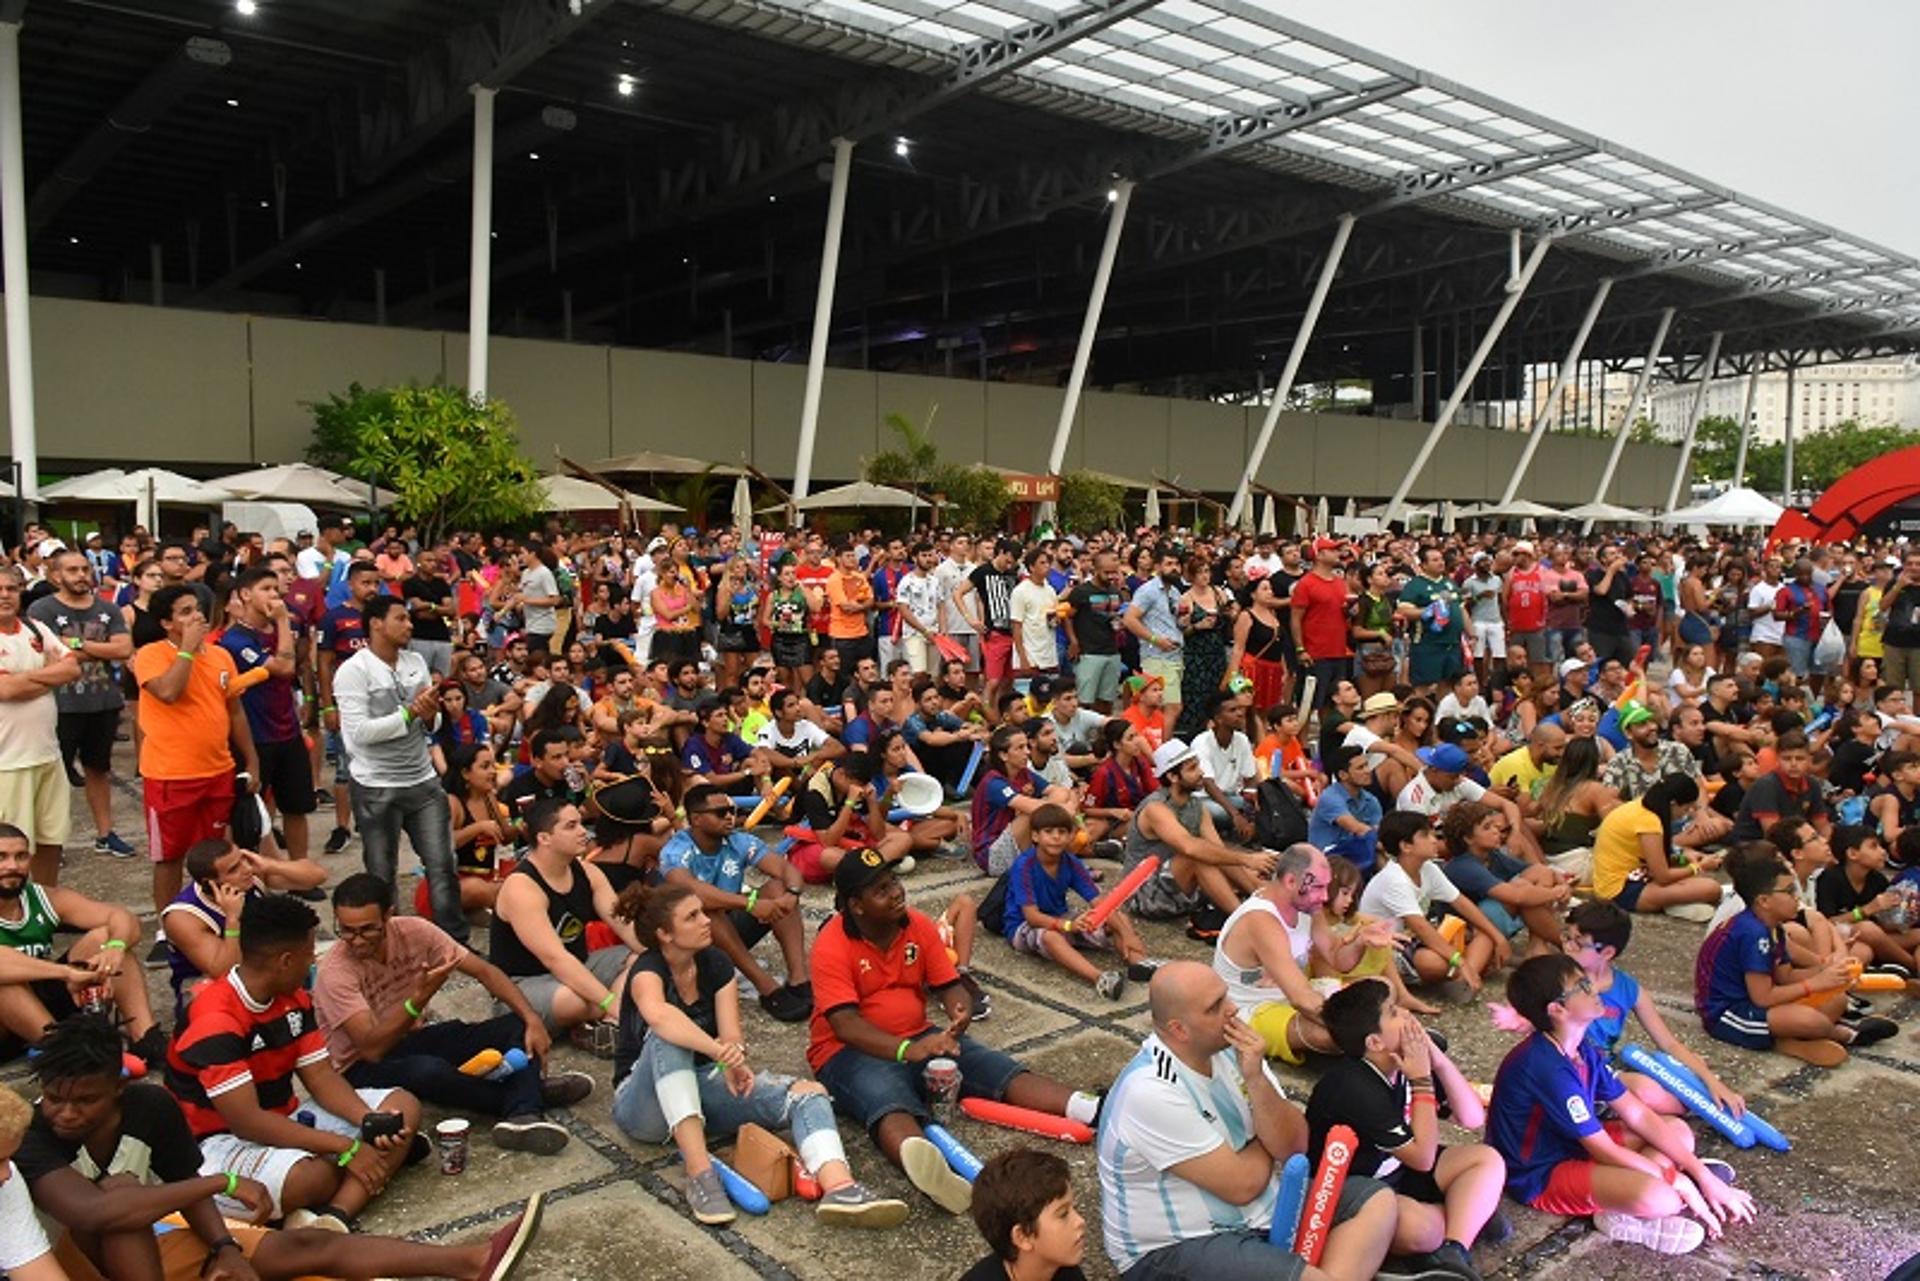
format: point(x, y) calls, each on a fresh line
point(900, 1054)
point(233, 1183)
point(346, 1158)
point(606, 1002)
point(1456, 960)
point(753, 896)
point(117, 945)
point(413, 1011)
point(230, 933)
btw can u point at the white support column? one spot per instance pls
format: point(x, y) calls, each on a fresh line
point(1551, 405)
point(1746, 425)
point(1698, 408)
point(822, 315)
point(1284, 387)
point(1516, 289)
point(480, 269)
point(13, 261)
point(1786, 499)
point(1638, 394)
point(1090, 326)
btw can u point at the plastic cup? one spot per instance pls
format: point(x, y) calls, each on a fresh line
point(943, 1087)
point(450, 1137)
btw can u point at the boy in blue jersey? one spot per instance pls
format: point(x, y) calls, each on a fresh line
point(1637, 1174)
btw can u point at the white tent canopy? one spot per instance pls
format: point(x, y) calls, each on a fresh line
point(860, 493)
point(1743, 507)
point(571, 494)
point(1607, 514)
point(1519, 509)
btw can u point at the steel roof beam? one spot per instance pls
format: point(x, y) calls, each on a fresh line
point(136, 113)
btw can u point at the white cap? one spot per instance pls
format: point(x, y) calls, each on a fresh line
point(1169, 756)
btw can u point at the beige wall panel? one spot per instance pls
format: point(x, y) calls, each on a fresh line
point(681, 404)
point(959, 423)
point(1207, 444)
point(848, 430)
point(297, 361)
point(557, 391)
point(1458, 469)
point(1126, 436)
point(1020, 423)
point(1293, 462)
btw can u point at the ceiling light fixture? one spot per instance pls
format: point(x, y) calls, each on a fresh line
point(625, 85)
point(245, 8)
point(233, 102)
point(533, 155)
point(901, 147)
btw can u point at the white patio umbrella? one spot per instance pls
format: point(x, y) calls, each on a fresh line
point(108, 485)
point(1322, 516)
point(743, 510)
point(1349, 510)
point(1448, 517)
point(860, 493)
point(1269, 519)
point(571, 494)
point(1520, 509)
point(294, 483)
point(1153, 508)
point(156, 487)
point(1607, 514)
point(648, 460)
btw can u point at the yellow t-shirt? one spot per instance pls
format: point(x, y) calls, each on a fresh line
point(1872, 645)
point(1616, 846)
point(1517, 767)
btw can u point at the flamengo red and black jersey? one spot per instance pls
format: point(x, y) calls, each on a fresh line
point(231, 1040)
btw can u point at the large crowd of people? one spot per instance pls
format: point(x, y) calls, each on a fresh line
point(1376, 776)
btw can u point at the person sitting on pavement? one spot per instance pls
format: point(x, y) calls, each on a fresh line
point(232, 1066)
point(1037, 922)
point(712, 858)
point(1226, 762)
point(1346, 818)
point(1267, 946)
point(1192, 1137)
point(203, 924)
point(1442, 783)
point(875, 963)
point(843, 810)
point(1196, 868)
point(38, 987)
point(551, 753)
point(372, 991)
point(114, 1164)
point(681, 1069)
point(539, 935)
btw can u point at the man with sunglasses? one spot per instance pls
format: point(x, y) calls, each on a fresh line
point(711, 858)
point(1265, 947)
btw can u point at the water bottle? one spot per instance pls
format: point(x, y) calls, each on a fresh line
point(512, 1061)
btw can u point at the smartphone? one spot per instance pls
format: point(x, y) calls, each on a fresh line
point(381, 1125)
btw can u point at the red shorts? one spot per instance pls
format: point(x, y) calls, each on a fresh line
point(805, 855)
point(1569, 1189)
point(181, 811)
point(996, 655)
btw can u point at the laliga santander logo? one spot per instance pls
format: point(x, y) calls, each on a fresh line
point(1317, 1222)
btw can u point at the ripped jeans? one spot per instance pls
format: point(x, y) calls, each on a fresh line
point(665, 1089)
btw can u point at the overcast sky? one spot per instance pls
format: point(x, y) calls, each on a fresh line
point(1809, 106)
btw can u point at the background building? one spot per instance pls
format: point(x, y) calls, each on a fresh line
point(1871, 393)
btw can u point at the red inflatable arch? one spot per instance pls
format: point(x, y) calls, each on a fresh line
point(1852, 502)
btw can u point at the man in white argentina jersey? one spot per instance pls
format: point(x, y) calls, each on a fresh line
point(1192, 1137)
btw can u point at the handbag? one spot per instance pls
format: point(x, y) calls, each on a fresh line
point(1377, 662)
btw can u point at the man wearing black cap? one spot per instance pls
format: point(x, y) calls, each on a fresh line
point(873, 965)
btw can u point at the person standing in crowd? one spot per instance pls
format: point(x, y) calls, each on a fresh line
point(990, 587)
point(851, 606)
point(1482, 591)
point(1431, 603)
point(262, 635)
point(1526, 605)
point(1610, 605)
point(88, 706)
point(1095, 606)
point(1032, 606)
point(539, 599)
point(1153, 616)
point(389, 705)
point(916, 605)
point(429, 599)
point(1322, 635)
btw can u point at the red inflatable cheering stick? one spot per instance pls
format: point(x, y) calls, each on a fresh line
point(1112, 901)
point(1323, 1194)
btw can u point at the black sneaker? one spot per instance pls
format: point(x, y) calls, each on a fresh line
point(1870, 1030)
point(1143, 971)
point(338, 839)
point(418, 1150)
point(564, 1089)
point(1858, 1007)
point(1499, 1229)
point(313, 895)
point(787, 1005)
point(321, 796)
point(152, 1048)
point(1205, 924)
point(159, 956)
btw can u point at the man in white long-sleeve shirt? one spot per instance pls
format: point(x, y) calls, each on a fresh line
point(388, 705)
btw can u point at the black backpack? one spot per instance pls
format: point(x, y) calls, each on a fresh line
point(1279, 820)
point(993, 908)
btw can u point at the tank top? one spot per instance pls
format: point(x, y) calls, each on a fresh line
point(1246, 984)
point(1264, 642)
point(1140, 846)
point(32, 934)
point(568, 913)
point(477, 856)
point(145, 628)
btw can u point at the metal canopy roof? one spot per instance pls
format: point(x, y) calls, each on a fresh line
point(688, 214)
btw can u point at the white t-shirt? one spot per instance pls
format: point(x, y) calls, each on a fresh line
point(539, 583)
point(1159, 1114)
point(1760, 599)
point(1419, 796)
point(1260, 566)
point(807, 737)
point(1031, 607)
point(311, 562)
point(950, 573)
point(22, 1240)
point(920, 595)
point(1230, 767)
point(1451, 709)
point(1391, 894)
point(1364, 739)
point(28, 728)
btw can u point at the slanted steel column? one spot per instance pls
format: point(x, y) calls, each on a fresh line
point(1284, 387)
point(1746, 425)
point(1634, 398)
point(13, 261)
point(822, 315)
point(1090, 326)
point(1693, 421)
point(480, 266)
point(1552, 404)
point(1516, 289)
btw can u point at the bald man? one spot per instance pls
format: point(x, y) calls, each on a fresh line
point(1522, 772)
point(1191, 1141)
point(1264, 949)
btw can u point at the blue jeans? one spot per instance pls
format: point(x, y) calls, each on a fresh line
point(664, 1089)
point(1799, 654)
point(870, 1089)
point(1503, 919)
point(382, 813)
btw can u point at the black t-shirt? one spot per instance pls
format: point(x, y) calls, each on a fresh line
point(992, 1269)
point(1834, 894)
point(435, 591)
point(155, 1145)
point(1846, 604)
point(828, 694)
point(1284, 581)
point(528, 788)
point(711, 972)
point(1726, 802)
point(1096, 614)
point(1603, 615)
point(1771, 795)
point(993, 596)
point(1351, 1092)
point(1851, 763)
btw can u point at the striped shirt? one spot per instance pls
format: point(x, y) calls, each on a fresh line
point(231, 1040)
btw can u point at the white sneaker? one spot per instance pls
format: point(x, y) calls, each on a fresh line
point(1698, 913)
point(1674, 1234)
point(928, 1170)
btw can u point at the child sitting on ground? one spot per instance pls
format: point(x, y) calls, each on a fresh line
point(1811, 938)
point(1514, 895)
point(1637, 1175)
point(1856, 891)
point(1342, 918)
point(1385, 1089)
point(1023, 1206)
point(1409, 887)
point(1036, 914)
point(1750, 993)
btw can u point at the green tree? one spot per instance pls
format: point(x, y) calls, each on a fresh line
point(976, 497)
point(912, 466)
point(1716, 448)
point(455, 463)
point(693, 494)
point(1088, 503)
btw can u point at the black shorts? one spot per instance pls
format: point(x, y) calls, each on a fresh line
point(749, 927)
point(88, 736)
point(56, 996)
point(286, 771)
point(791, 649)
point(1418, 1185)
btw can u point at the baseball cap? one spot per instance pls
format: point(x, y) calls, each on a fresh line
point(1571, 665)
point(1170, 756)
point(1446, 758)
point(858, 870)
point(1139, 681)
point(1379, 704)
point(48, 546)
point(1328, 545)
point(1634, 713)
point(655, 543)
point(1523, 546)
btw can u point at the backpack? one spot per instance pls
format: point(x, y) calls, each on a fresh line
point(993, 908)
point(1279, 820)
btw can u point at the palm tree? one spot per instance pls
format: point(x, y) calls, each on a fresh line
point(693, 494)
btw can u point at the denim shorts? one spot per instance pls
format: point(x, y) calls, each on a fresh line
point(869, 1089)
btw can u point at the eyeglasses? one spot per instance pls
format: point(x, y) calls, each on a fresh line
point(360, 931)
point(717, 811)
point(1583, 984)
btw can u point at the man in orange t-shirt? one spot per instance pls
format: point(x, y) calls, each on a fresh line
point(193, 724)
point(850, 605)
point(870, 1039)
